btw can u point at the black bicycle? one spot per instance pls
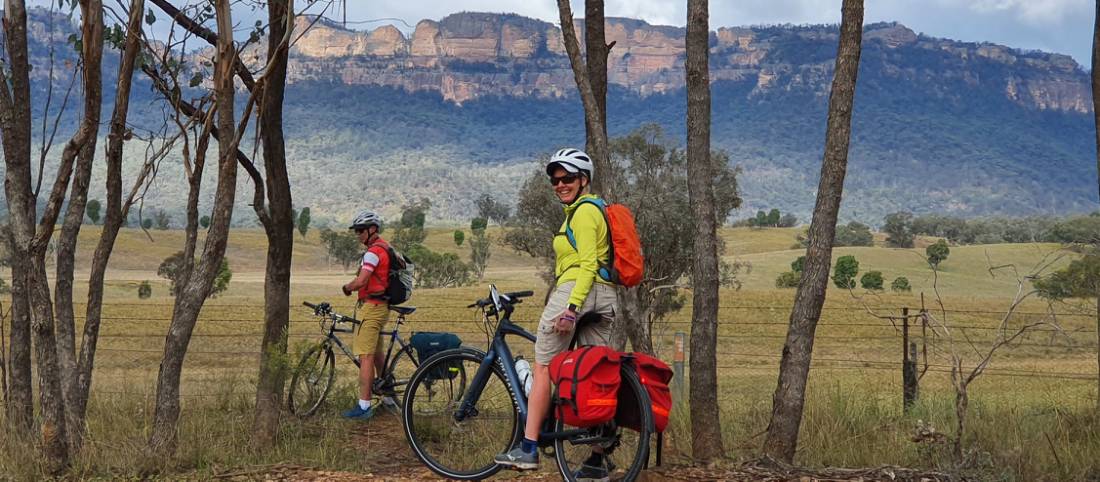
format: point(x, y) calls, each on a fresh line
point(456, 436)
point(313, 377)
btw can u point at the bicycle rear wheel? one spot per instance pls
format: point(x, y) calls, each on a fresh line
point(458, 449)
point(312, 381)
point(625, 450)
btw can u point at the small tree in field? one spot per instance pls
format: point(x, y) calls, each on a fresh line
point(147, 224)
point(900, 285)
point(788, 221)
point(899, 230)
point(479, 246)
point(937, 253)
point(162, 219)
point(303, 221)
point(845, 271)
point(343, 247)
point(204, 222)
point(172, 266)
point(871, 280)
point(787, 279)
point(761, 219)
point(92, 210)
point(460, 237)
point(774, 217)
point(145, 290)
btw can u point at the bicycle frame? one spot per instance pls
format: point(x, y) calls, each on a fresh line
point(500, 353)
point(395, 338)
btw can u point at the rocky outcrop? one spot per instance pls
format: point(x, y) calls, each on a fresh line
point(468, 55)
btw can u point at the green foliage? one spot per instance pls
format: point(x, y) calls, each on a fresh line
point(1077, 230)
point(656, 191)
point(937, 253)
point(899, 229)
point(773, 217)
point(798, 264)
point(204, 221)
point(788, 279)
point(479, 224)
point(1081, 279)
point(760, 220)
point(145, 290)
point(853, 234)
point(163, 220)
point(92, 210)
point(845, 271)
point(479, 253)
point(459, 237)
point(173, 267)
point(343, 247)
point(901, 285)
point(147, 223)
point(4, 288)
point(871, 280)
point(492, 210)
point(410, 229)
point(438, 270)
point(303, 221)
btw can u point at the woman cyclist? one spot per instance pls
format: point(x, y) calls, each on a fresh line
point(578, 290)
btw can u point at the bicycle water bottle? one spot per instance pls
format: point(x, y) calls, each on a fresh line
point(523, 372)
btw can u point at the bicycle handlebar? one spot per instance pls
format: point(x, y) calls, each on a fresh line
point(511, 298)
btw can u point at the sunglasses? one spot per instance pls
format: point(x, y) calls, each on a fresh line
point(360, 230)
point(566, 179)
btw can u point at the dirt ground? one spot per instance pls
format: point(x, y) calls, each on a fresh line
point(384, 444)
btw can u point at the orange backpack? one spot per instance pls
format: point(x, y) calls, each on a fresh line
point(627, 262)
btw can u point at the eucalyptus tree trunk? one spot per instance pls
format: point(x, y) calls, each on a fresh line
point(706, 427)
point(279, 227)
point(192, 295)
point(794, 368)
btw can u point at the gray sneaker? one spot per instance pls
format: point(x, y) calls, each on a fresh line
point(588, 473)
point(518, 459)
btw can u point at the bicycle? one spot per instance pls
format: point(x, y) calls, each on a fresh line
point(314, 374)
point(459, 439)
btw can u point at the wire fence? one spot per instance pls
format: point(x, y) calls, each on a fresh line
point(227, 338)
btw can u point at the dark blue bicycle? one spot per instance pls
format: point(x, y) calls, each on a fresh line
point(455, 426)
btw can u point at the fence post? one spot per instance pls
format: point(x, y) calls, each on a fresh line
point(678, 364)
point(908, 364)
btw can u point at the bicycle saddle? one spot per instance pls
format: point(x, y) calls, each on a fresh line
point(404, 310)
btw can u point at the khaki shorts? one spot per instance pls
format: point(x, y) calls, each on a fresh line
point(601, 299)
point(368, 339)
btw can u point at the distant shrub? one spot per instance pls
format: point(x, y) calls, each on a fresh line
point(787, 279)
point(871, 280)
point(900, 285)
point(145, 290)
point(844, 273)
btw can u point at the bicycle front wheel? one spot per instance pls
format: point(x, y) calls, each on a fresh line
point(459, 449)
point(625, 451)
point(311, 381)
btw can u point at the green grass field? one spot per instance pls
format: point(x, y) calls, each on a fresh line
point(1032, 415)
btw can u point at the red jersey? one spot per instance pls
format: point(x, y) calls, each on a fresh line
point(376, 258)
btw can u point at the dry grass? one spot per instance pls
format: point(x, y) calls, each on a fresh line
point(853, 415)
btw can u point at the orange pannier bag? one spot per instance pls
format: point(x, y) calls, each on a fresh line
point(654, 375)
point(588, 382)
point(627, 262)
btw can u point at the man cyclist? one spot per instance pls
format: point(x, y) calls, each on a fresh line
point(370, 284)
point(579, 289)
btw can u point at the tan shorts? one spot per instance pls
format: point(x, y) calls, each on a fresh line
point(601, 299)
point(368, 340)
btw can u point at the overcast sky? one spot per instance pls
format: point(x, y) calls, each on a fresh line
point(1063, 26)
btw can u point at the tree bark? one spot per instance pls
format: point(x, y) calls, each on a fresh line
point(596, 51)
point(189, 300)
point(1096, 119)
point(15, 126)
point(595, 124)
point(787, 403)
point(91, 14)
point(706, 429)
point(114, 216)
point(280, 234)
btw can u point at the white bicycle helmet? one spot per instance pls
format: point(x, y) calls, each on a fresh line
point(573, 161)
point(365, 219)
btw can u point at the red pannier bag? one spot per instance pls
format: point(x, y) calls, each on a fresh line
point(654, 375)
point(588, 385)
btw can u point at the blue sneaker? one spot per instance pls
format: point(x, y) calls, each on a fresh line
point(357, 413)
